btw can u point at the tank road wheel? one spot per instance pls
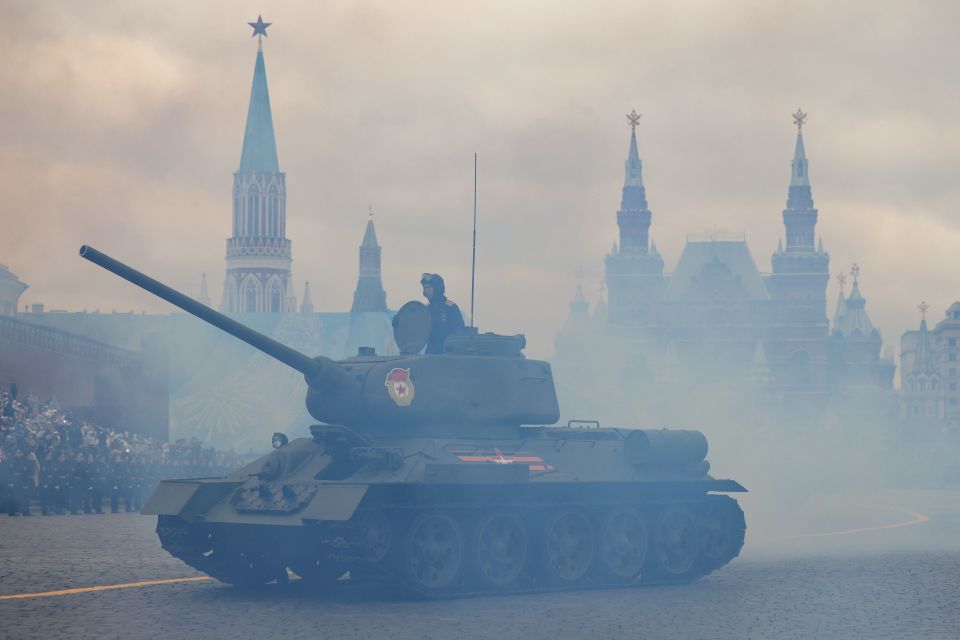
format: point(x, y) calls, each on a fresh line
point(676, 543)
point(377, 537)
point(722, 528)
point(624, 541)
point(434, 553)
point(569, 547)
point(500, 550)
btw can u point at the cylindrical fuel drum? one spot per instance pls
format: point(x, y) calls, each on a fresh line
point(665, 447)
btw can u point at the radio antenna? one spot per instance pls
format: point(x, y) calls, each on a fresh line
point(473, 263)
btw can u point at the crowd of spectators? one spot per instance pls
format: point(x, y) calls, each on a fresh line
point(67, 465)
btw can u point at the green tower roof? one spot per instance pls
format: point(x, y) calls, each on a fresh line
point(259, 145)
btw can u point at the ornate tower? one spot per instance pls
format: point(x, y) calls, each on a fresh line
point(258, 252)
point(855, 344)
point(797, 350)
point(574, 343)
point(802, 270)
point(369, 294)
point(634, 272)
point(922, 393)
point(307, 305)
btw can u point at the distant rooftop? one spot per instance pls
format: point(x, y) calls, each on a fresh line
point(717, 236)
point(716, 264)
point(11, 278)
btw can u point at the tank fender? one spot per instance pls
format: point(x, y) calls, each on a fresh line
point(169, 498)
point(334, 501)
point(187, 498)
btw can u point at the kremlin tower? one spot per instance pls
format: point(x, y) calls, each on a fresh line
point(258, 253)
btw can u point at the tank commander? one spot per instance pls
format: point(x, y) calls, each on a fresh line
point(445, 316)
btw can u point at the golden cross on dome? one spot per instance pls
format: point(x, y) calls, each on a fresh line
point(799, 119)
point(370, 210)
point(855, 272)
point(923, 306)
point(634, 119)
point(842, 279)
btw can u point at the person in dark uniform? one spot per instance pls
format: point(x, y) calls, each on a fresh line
point(137, 480)
point(445, 316)
point(61, 488)
point(47, 481)
point(27, 477)
point(78, 485)
point(115, 481)
point(6, 483)
point(15, 472)
point(99, 479)
point(8, 409)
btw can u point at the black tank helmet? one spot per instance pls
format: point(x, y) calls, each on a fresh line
point(435, 281)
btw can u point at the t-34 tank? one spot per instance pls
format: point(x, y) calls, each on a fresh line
point(434, 472)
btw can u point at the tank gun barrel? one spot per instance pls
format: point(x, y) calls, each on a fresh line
point(291, 357)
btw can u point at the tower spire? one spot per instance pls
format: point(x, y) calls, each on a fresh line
point(924, 359)
point(801, 267)
point(370, 237)
point(259, 255)
point(369, 294)
point(799, 176)
point(841, 303)
point(307, 305)
point(579, 303)
point(259, 143)
point(634, 270)
point(800, 218)
point(633, 165)
point(855, 319)
point(634, 216)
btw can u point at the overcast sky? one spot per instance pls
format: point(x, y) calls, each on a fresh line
point(123, 124)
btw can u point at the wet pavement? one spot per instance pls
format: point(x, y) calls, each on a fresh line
point(884, 583)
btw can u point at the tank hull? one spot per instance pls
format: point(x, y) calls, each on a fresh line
point(545, 509)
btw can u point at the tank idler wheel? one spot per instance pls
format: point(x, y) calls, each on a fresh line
point(433, 553)
point(676, 543)
point(569, 547)
point(722, 529)
point(500, 550)
point(624, 542)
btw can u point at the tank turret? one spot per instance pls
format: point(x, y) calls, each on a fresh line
point(482, 382)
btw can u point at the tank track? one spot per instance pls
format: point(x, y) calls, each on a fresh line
point(454, 551)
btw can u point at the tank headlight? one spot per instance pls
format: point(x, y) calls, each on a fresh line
point(279, 440)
